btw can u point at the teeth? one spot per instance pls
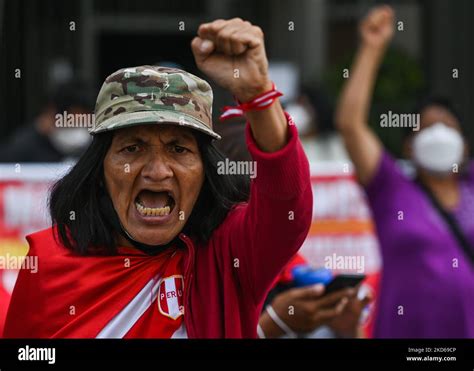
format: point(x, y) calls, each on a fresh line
point(152, 211)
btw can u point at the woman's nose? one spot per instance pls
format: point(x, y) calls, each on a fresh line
point(158, 167)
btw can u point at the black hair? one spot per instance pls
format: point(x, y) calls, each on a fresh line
point(434, 100)
point(429, 101)
point(233, 143)
point(84, 227)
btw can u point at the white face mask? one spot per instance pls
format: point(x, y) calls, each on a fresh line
point(301, 117)
point(438, 148)
point(70, 140)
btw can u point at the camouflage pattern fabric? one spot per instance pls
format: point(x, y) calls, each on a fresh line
point(151, 94)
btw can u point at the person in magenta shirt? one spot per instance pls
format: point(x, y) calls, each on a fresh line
point(424, 222)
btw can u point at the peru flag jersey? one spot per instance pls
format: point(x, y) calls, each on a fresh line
point(129, 295)
point(158, 309)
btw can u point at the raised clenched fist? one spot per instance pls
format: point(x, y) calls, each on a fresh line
point(232, 53)
point(377, 28)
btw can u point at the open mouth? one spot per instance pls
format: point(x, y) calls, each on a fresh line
point(151, 203)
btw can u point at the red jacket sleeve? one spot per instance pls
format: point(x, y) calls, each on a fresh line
point(265, 233)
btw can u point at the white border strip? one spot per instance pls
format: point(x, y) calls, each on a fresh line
point(121, 324)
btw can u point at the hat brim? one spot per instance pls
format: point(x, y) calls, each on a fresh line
point(128, 119)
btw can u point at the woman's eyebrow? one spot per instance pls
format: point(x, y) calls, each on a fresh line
point(175, 137)
point(183, 137)
point(130, 138)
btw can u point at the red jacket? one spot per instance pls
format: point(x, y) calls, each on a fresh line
point(225, 281)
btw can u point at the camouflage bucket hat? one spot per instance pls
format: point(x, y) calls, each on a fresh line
point(154, 95)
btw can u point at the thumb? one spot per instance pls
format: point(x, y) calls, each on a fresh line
point(201, 48)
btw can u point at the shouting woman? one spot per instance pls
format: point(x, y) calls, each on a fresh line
point(148, 238)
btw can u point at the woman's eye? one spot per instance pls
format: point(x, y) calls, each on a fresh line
point(179, 149)
point(132, 149)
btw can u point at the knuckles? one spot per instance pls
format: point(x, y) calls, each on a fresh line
point(221, 28)
point(258, 31)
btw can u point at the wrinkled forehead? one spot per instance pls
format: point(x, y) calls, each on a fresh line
point(150, 132)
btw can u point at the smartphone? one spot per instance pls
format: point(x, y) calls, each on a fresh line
point(343, 281)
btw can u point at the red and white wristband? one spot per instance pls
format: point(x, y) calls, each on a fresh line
point(260, 102)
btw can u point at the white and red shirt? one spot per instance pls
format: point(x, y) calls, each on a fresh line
point(130, 295)
point(157, 311)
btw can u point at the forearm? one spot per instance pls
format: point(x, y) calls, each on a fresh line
point(354, 103)
point(269, 127)
point(281, 196)
point(274, 223)
point(363, 146)
point(269, 327)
